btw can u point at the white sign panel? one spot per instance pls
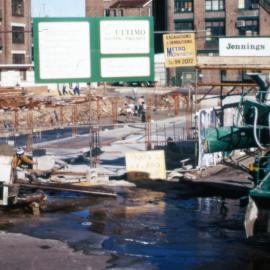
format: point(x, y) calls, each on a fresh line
point(64, 50)
point(244, 46)
point(125, 36)
point(145, 165)
point(125, 67)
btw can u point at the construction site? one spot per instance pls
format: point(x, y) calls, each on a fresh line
point(112, 157)
point(114, 170)
point(81, 147)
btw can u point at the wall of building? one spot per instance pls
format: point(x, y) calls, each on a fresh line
point(264, 22)
point(7, 21)
point(94, 8)
point(231, 15)
point(147, 11)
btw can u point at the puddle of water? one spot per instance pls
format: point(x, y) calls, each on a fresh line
point(171, 233)
point(198, 233)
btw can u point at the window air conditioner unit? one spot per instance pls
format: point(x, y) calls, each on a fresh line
point(240, 23)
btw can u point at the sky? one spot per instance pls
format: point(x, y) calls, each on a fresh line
point(58, 8)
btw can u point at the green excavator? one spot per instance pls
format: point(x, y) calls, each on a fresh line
point(251, 129)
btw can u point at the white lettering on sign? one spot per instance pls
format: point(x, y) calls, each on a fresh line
point(244, 46)
point(146, 165)
point(64, 50)
point(126, 36)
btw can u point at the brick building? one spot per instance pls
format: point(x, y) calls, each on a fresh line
point(100, 8)
point(95, 8)
point(265, 4)
point(212, 19)
point(15, 32)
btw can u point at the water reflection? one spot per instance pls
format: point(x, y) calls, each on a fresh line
point(182, 234)
point(167, 233)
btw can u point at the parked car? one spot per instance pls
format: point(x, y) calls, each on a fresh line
point(135, 83)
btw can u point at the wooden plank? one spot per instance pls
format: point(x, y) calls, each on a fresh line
point(59, 187)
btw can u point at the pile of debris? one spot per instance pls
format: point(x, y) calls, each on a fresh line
point(22, 110)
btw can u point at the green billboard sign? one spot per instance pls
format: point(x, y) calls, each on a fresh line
point(105, 49)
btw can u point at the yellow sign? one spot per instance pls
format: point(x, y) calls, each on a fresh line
point(145, 165)
point(179, 50)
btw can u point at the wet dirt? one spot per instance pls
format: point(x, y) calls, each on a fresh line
point(146, 229)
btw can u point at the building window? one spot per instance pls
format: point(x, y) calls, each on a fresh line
point(230, 76)
point(121, 12)
point(18, 58)
point(17, 8)
point(248, 27)
point(183, 6)
point(214, 5)
point(237, 76)
point(106, 12)
point(23, 75)
point(17, 35)
point(248, 4)
point(214, 30)
point(183, 25)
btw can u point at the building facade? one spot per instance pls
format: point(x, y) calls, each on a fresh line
point(114, 8)
point(265, 4)
point(209, 19)
point(95, 8)
point(212, 19)
point(15, 32)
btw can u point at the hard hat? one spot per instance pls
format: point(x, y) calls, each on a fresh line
point(20, 151)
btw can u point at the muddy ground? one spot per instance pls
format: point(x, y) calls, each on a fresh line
point(151, 226)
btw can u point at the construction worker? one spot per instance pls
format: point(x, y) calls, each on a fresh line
point(18, 159)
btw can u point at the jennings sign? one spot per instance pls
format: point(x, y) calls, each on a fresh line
point(247, 46)
point(179, 50)
point(93, 49)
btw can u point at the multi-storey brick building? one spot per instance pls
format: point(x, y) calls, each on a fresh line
point(15, 32)
point(209, 19)
point(212, 19)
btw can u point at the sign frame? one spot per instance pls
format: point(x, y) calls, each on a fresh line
point(96, 55)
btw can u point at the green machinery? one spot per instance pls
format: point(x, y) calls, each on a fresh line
point(250, 129)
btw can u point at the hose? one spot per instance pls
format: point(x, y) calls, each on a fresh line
point(255, 128)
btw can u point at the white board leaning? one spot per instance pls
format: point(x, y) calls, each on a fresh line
point(146, 165)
